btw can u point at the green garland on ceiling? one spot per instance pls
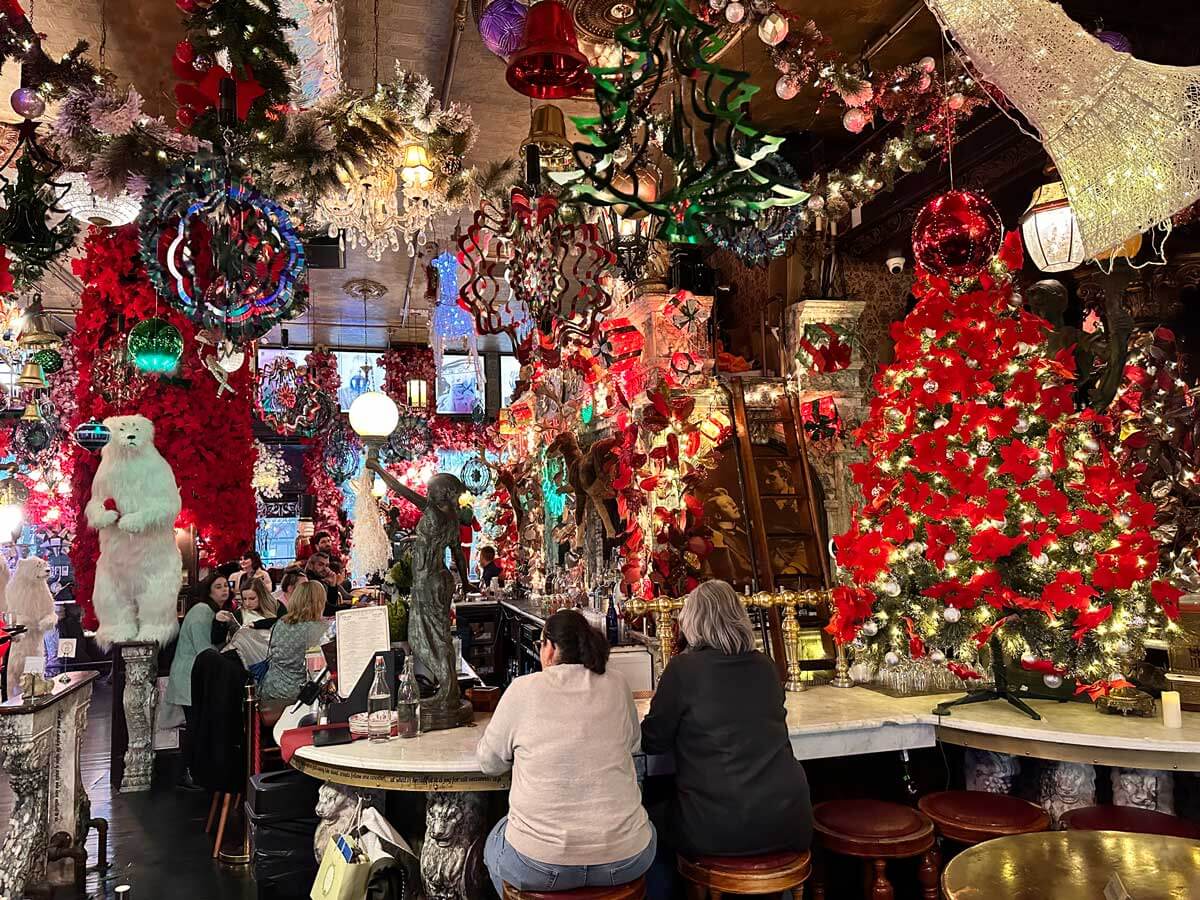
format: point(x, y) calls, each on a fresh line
point(705, 163)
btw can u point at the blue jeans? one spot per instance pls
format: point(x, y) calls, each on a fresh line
point(505, 864)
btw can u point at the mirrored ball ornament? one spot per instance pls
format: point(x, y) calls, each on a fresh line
point(892, 658)
point(870, 628)
point(951, 614)
point(937, 656)
point(27, 102)
point(1052, 681)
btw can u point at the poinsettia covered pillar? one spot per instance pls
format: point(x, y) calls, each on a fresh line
point(202, 429)
point(829, 326)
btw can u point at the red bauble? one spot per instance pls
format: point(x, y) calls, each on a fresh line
point(956, 235)
point(187, 7)
point(185, 116)
point(185, 52)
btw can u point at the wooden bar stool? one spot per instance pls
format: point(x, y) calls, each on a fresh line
point(1131, 819)
point(768, 873)
point(635, 890)
point(876, 831)
point(972, 817)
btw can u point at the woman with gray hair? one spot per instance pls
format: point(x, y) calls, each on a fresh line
point(739, 791)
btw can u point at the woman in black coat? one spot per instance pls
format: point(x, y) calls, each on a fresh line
point(739, 790)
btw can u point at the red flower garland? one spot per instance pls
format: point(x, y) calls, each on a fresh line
point(206, 438)
point(328, 512)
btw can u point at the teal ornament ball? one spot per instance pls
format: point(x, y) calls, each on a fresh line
point(155, 345)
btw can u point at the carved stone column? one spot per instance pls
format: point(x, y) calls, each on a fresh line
point(846, 387)
point(1065, 786)
point(140, 701)
point(25, 756)
point(452, 854)
point(337, 808)
point(991, 772)
point(1145, 789)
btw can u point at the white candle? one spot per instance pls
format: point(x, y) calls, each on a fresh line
point(1172, 714)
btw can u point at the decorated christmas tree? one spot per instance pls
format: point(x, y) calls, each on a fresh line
point(995, 516)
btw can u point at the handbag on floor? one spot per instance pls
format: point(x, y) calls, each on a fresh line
point(345, 868)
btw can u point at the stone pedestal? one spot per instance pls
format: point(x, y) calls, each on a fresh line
point(139, 700)
point(39, 751)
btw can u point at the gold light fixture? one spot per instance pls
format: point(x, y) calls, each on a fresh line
point(548, 132)
point(418, 393)
point(416, 169)
point(31, 376)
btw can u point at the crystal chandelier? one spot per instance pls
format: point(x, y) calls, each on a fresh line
point(367, 209)
point(82, 203)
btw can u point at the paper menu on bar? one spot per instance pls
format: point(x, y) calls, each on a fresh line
point(361, 633)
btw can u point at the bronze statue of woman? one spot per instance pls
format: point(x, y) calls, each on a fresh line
point(433, 591)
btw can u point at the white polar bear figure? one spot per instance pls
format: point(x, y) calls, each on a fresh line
point(31, 604)
point(134, 504)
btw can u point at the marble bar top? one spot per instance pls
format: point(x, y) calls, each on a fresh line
point(823, 722)
point(63, 685)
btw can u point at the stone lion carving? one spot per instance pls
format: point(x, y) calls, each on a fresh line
point(337, 808)
point(134, 504)
point(1065, 786)
point(1144, 788)
point(31, 604)
point(452, 854)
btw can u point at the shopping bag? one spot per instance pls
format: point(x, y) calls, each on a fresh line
point(344, 871)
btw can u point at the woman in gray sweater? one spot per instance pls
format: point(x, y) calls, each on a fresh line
point(568, 733)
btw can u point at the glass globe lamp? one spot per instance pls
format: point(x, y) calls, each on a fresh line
point(373, 416)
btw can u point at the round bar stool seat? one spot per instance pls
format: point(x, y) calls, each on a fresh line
point(877, 831)
point(634, 890)
point(768, 873)
point(1130, 819)
point(972, 817)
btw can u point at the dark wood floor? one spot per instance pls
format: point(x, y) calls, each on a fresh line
point(157, 843)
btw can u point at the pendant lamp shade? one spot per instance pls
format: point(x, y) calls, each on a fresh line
point(549, 65)
point(1051, 231)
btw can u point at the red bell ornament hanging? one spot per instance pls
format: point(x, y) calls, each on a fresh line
point(549, 65)
point(956, 235)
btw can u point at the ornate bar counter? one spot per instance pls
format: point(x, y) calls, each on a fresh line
point(824, 722)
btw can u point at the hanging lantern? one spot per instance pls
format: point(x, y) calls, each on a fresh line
point(549, 65)
point(415, 168)
point(548, 132)
point(51, 361)
point(155, 345)
point(31, 378)
point(92, 435)
point(37, 333)
point(82, 203)
point(1050, 230)
point(373, 416)
point(418, 393)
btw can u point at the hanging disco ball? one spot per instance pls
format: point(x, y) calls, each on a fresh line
point(155, 345)
point(51, 361)
point(92, 435)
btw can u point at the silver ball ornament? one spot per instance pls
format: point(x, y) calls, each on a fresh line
point(891, 587)
point(1022, 425)
point(870, 628)
point(951, 556)
point(892, 658)
point(951, 614)
point(27, 103)
point(1028, 657)
point(1052, 681)
point(1123, 519)
point(937, 656)
point(735, 12)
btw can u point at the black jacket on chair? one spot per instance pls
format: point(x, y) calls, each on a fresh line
point(218, 703)
point(739, 789)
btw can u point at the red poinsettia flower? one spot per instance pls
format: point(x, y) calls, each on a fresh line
point(960, 671)
point(1088, 619)
point(851, 605)
point(1057, 402)
point(866, 556)
point(992, 544)
point(938, 539)
point(896, 525)
point(916, 646)
point(1118, 568)
point(1166, 595)
point(983, 635)
point(1012, 253)
point(1068, 591)
point(952, 593)
point(1020, 461)
point(1049, 500)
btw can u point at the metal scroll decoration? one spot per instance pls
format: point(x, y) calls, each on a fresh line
point(290, 402)
point(765, 234)
point(342, 452)
point(219, 251)
point(477, 476)
point(700, 167)
point(526, 267)
point(412, 439)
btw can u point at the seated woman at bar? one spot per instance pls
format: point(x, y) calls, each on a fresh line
point(292, 635)
point(245, 633)
point(575, 817)
point(739, 790)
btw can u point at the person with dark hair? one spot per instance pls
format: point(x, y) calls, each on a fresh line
point(251, 568)
point(489, 568)
point(719, 700)
point(195, 636)
point(320, 542)
point(567, 828)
